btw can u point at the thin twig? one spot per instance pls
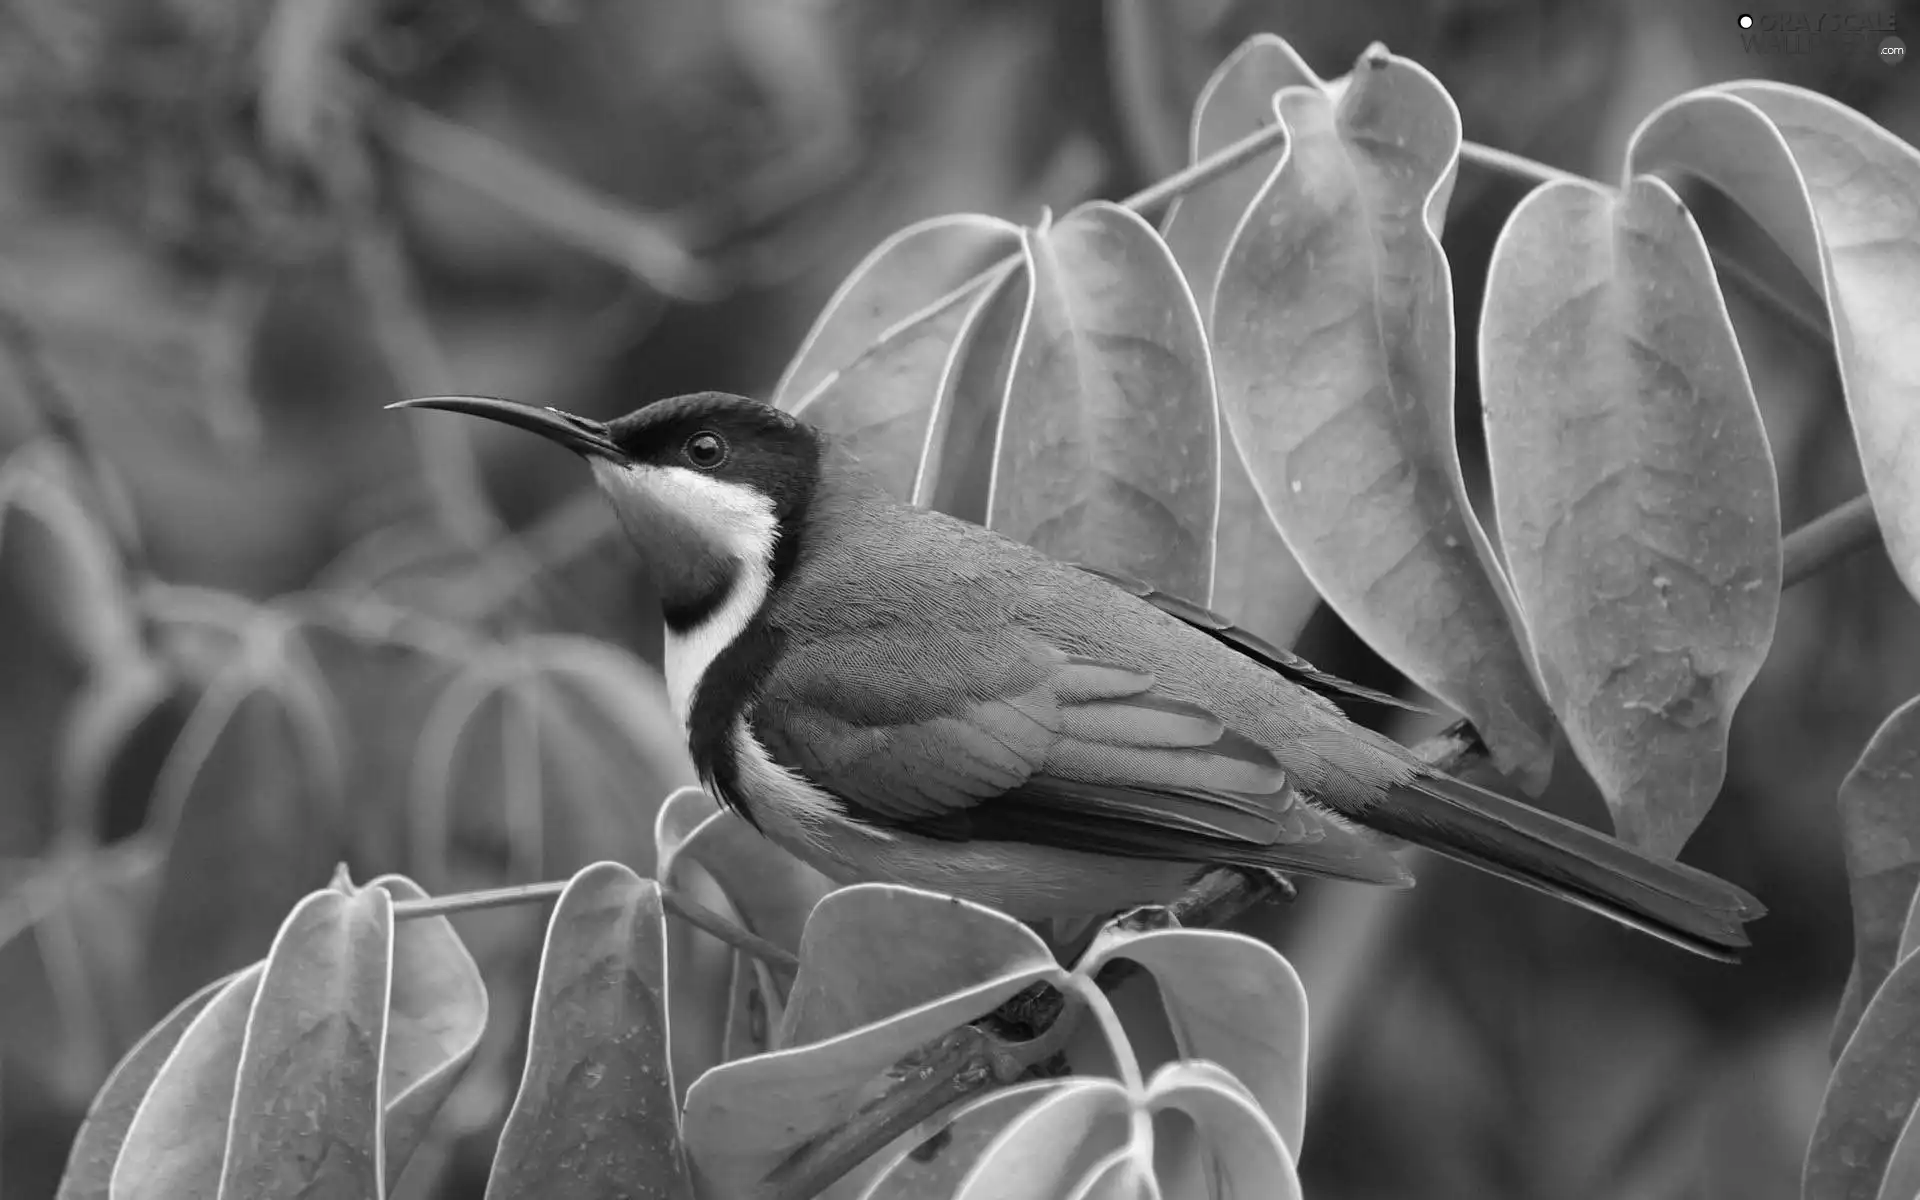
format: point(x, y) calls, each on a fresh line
point(691, 911)
point(1827, 538)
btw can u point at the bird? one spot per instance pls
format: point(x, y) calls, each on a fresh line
point(894, 694)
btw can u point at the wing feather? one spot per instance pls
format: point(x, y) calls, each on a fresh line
point(1012, 738)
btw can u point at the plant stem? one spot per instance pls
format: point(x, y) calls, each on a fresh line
point(691, 911)
point(1826, 539)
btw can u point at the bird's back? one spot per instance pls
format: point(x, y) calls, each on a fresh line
point(921, 580)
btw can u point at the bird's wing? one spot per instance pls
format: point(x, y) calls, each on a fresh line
point(1006, 737)
point(1251, 644)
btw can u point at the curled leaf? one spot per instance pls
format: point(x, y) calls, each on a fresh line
point(1250, 1156)
point(879, 367)
point(1237, 102)
point(437, 1014)
point(595, 1113)
point(1870, 1096)
point(1880, 836)
point(1832, 188)
point(178, 1135)
point(1333, 346)
point(910, 270)
point(1053, 1145)
point(96, 1147)
point(1109, 445)
point(307, 1096)
point(1635, 490)
point(1230, 999)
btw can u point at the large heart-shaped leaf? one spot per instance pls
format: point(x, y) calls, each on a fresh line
point(1637, 504)
point(1832, 189)
point(307, 1101)
point(1109, 445)
point(1880, 835)
point(1333, 345)
point(595, 1113)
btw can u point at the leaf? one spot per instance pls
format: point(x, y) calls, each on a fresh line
point(1333, 346)
point(1252, 1158)
point(1870, 1096)
point(895, 948)
point(1109, 445)
point(1637, 504)
point(97, 1146)
point(874, 950)
point(1880, 835)
point(1831, 188)
point(960, 471)
point(178, 1135)
point(772, 891)
point(1236, 103)
point(595, 1112)
point(437, 1014)
point(1119, 1176)
point(890, 397)
point(307, 1098)
point(241, 810)
point(1230, 999)
point(1902, 1178)
point(910, 270)
point(1053, 1145)
point(1256, 579)
point(935, 1165)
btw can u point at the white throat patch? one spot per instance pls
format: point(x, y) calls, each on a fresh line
point(737, 522)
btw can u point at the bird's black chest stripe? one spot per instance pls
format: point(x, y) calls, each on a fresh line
point(733, 679)
point(722, 696)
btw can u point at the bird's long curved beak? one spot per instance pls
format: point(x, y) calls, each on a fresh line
point(579, 434)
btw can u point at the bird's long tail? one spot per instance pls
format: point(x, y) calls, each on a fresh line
point(1483, 829)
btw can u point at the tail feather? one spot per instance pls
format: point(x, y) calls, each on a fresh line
point(1515, 841)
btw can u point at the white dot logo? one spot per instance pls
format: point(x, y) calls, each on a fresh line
point(1746, 20)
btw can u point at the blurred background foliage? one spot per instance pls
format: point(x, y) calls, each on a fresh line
point(229, 233)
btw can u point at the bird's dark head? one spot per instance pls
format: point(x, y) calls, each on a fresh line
point(708, 486)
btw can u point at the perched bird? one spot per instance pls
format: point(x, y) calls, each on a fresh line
point(894, 694)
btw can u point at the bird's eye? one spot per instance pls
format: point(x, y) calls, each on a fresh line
point(706, 450)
